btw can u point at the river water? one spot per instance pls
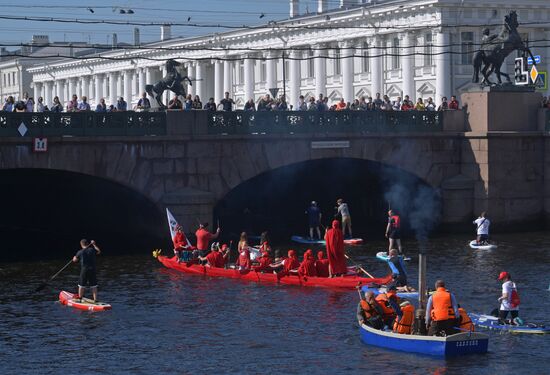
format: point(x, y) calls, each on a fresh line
point(164, 322)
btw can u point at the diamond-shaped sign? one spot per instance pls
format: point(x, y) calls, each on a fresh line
point(534, 73)
point(22, 129)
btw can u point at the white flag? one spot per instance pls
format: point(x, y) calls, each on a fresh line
point(172, 224)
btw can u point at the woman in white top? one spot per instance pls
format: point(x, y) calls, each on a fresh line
point(509, 301)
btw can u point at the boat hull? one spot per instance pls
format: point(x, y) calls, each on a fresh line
point(346, 282)
point(454, 345)
point(377, 291)
point(308, 241)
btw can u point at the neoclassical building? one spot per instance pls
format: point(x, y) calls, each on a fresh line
point(420, 48)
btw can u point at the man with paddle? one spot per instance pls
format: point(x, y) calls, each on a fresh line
point(88, 277)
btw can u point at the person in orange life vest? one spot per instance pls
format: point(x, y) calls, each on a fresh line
point(464, 321)
point(393, 231)
point(215, 258)
point(182, 248)
point(321, 264)
point(404, 323)
point(204, 237)
point(335, 250)
point(389, 302)
point(307, 267)
point(441, 311)
point(369, 311)
point(264, 262)
point(509, 300)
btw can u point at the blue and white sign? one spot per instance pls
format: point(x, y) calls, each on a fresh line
point(537, 60)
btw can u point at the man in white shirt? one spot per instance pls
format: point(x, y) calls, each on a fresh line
point(343, 210)
point(482, 228)
point(509, 301)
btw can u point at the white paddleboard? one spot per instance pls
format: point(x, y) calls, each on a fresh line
point(473, 245)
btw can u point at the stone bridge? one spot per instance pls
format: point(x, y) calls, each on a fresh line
point(476, 163)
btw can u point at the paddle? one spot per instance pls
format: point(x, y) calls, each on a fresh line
point(43, 285)
point(358, 266)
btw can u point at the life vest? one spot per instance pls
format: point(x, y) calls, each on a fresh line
point(395, 222)
point(383, 300)
point(404, 325)
point(442, 306)
point(514, 298)
point(465, 321)
point(370, 311)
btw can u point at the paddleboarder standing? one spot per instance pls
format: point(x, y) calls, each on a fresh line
point(314, 219)
point(86, 255)
point(482, 229)
point(393, 231)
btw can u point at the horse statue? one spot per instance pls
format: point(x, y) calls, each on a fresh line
point(495, 48)
point(172, 81)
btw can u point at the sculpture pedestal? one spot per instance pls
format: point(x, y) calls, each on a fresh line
point(504, 108)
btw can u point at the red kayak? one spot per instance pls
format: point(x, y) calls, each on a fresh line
point(348, 282)
point(86, 304)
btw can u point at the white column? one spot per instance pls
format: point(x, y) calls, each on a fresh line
point(295, 78)
point(99, 88)
point(79, 87)
point(376, 67)
point(113, 83)
point(271, 71)
point(227, 77)
point(37, 86)
point(320, 70)
point(84, 83)
point(407, 65)
point(119, 85)
point(348, 91)
point(91, 88)
point(128, 88)
point(72, 89)
point(218, 81)
point(48, 99)
point(62, 87)
point(105, 87)
point(167, 93)
point(199, 78)
point(148, 77)
point(141, 82)
point(248, 79)
point(442, 66)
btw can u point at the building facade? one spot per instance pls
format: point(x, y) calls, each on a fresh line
point(420, 48)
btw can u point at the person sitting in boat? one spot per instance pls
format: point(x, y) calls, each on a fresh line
point(215, 258)
point(264, 262)
point(307, 267)
point(321, 264)
point(482, 229)
point(314, 220)
point(291, 263)
point(404, 323)
point(264, 242)
point(399, 274)
point(335, 250)
point(389, 302)
point(509, 300)
point(204, 237)
point(464, 321)
point(182, 248)
point(369, 312)
point(243, 262)
point(441, 311)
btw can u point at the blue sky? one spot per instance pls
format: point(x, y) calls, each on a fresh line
point(229, 12)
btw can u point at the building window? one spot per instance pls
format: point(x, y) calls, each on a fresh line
point(428, 50)
point(337, 65)
point(365, 61)
point(467, 45)
point(263, 71)
point(396, 60)
point(310, 64)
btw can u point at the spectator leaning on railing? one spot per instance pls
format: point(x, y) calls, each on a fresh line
point(56, 106)
point(83, 105)
point(211, 105)
point(9, 104)
point(250, 105)
point(143, 103)
point(197, 104)
point(40, 105)
point(101, 106)
point(227, 103)
point(454, 103)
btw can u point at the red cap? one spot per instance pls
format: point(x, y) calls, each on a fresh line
point(503, 275)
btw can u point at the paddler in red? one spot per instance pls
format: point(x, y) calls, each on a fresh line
point(243, 262)
point(204, 237)
point(307, 268)
point(321, 265)
point(181, 245)
point(289, 264)
point(215, 258)
point(335, 250)
point(265, 262)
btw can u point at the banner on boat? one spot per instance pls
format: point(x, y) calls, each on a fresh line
point(172, 224)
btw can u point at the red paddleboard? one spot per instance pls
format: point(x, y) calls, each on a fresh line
point(85, 304)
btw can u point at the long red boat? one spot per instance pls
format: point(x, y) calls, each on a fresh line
point(347, 282)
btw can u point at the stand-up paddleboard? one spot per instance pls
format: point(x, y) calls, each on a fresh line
point(310, 241)
point(67, 298)
point(383, 255)
point(492, 322)
point(474, 245)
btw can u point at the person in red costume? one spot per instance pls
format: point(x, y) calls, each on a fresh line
point(321, 265)
point(244, 262)
point(307, 268)
point(215, 257)
point(204, 237)
point(182, 247)
point(289, 264)
point(265, 262)
point(335, 250)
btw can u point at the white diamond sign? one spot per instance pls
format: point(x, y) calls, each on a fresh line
point(22, 129)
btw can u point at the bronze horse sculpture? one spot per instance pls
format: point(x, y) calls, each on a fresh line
point(172, 81)
point(495, 48)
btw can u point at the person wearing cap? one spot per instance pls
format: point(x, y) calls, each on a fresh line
point(307, 267)
point(441, 311)
point(204, 237)
point(482, 229)
point(264, 262)
point(314, 219)
point(509, 300)
point(369, 311)
point(182, 247)
point(343, 211)
point(389, 303)
point(321, 264)
point(215, 258)
point(291, 263)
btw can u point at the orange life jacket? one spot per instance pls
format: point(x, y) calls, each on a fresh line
point(404, 325)
point(369, 310)
point(465, 322)
point(383, 300)
point(442, 306)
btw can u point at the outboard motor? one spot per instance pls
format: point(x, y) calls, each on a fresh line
point(419, 325)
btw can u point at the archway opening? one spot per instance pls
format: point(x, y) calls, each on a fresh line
point(276, 200)
point(46, 212)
